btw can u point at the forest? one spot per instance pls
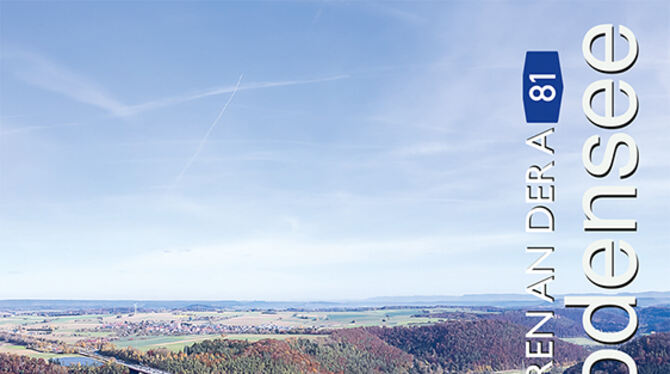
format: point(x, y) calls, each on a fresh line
point(455, 346)
point(480, 345)
point(651, 354)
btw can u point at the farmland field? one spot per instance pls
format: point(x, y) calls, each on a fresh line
point(173, 343)
point(173, 330)
point(23, 351)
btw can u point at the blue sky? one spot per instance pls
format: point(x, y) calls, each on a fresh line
point(367, 148)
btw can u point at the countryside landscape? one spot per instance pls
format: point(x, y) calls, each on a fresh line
point(385, 335)
point(325, 187)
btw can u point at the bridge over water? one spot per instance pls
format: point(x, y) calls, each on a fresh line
point(134, 368)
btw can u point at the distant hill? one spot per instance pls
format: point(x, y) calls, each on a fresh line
point(645, 299)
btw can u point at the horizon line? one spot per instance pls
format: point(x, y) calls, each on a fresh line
point(523, 295)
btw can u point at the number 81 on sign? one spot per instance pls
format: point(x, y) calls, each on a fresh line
point(542, 87)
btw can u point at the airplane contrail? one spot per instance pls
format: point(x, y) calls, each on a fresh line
point(154, 104)
point(209, 131)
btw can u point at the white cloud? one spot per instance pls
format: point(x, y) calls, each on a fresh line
point(43, 73)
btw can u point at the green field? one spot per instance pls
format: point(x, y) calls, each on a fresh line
point(386, 317)
point(21, 350)
point(173, 343)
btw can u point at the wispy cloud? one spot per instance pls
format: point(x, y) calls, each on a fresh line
point(19, 130)
point(396, 13)
point(167, 101)
point(41, 72)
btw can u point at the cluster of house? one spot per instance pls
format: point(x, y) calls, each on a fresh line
point(153, 328)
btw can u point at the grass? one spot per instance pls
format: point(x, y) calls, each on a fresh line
point(173, 343)
point(420, 321)
point(23, 351)
point(397, 317)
